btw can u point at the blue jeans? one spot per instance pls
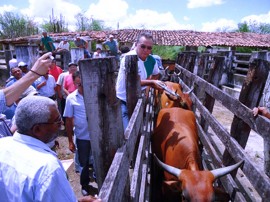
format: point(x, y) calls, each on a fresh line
point(84, 153)
point(125, 117)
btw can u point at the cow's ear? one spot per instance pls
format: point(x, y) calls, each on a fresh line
point(221, 195)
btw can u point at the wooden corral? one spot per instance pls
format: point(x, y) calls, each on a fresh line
point(116, 151)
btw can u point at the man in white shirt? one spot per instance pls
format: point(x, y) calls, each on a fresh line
point(29, 169)
point(147, 69)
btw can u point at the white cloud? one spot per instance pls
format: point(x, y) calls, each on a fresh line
point(263, 18)
point(149, 19)
point(111, 12)
point(41, 13)
point(7, 8)
point(186, 18)
point(219, 25)
point(203, 3)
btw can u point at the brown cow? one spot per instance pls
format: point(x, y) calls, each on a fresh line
point(182, 100)
point(175, 142)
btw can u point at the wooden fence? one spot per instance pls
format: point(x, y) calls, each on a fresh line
point(115, 149)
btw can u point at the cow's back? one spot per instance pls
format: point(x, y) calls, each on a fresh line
point(175, 139)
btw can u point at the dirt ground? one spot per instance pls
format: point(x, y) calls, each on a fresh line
point(254, 149)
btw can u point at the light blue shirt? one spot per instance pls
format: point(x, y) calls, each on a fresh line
point(48, 89)
point(75, 108)
point(2, 101)
point(30, 171)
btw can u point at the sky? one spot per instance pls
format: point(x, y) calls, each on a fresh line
point(196, 15)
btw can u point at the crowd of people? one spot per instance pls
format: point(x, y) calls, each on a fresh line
point(43, 100)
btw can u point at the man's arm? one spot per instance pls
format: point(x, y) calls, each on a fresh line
point(41, 66)
point(70, 133)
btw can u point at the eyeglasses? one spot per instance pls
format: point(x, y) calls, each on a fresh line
point(58, 122)
point(144, 47)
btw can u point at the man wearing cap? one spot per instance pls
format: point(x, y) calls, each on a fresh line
point(113, 46)
point(12, 64)
point(80, 43)
point(63, 45)
point(23, 67)
point(69, 85)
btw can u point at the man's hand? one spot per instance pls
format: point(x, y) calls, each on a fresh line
point(43, 63)
point(72, 147)
point(89, 199)
point(260, 110)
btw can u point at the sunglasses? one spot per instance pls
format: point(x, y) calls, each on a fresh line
point(144, 47)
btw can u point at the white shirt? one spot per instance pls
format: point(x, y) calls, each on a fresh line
point(63, 46)
point(97, 55)
point(30, 171)
point(121, 78)
point(48, 89)
point(60, 82)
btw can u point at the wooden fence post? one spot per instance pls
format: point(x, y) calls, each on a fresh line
point(103, 111)
point(133, 85)
point(215, 74)
point(66, 58)
point(27, 54)
point(250, 95)
point(8, 57)
point(76, 54)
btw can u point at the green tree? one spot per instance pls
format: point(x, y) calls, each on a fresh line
point(83, 23)
point(14, 25)
point(55, 25)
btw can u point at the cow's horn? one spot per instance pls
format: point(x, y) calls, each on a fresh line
point(190, 91)
point(224, 171)
point(170, 169)
point(166, 71)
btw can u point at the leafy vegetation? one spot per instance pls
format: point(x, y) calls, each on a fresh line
point(13, 25)
point(167, 52)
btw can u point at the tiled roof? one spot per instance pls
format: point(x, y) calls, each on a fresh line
point(165, 37)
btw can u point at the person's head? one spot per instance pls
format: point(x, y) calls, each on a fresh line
point(38, 116)
point(77, 37)
point(16, 72)
point(76, 76)
point(44, 34)
point(125, 49)
point(65, 40)
point(23, 67)
point(98, 50)
point(144, 45)
point(72, 67)
point(111, 37)
point(13, 63)
point(53, 64)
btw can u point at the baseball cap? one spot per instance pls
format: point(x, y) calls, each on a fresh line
point(13, 63)
point(77, 36)
point(22, 64)
point(72, 63)
point(111, 36)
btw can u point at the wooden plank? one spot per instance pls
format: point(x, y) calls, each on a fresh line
point(258, 124)
point(250, 96)
point(136, 177)
point(259, 180)
point(114, 185)
point(142, 192)
point(214, 77)
point(102, 106)
point(133, 85)
point(227, 181)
